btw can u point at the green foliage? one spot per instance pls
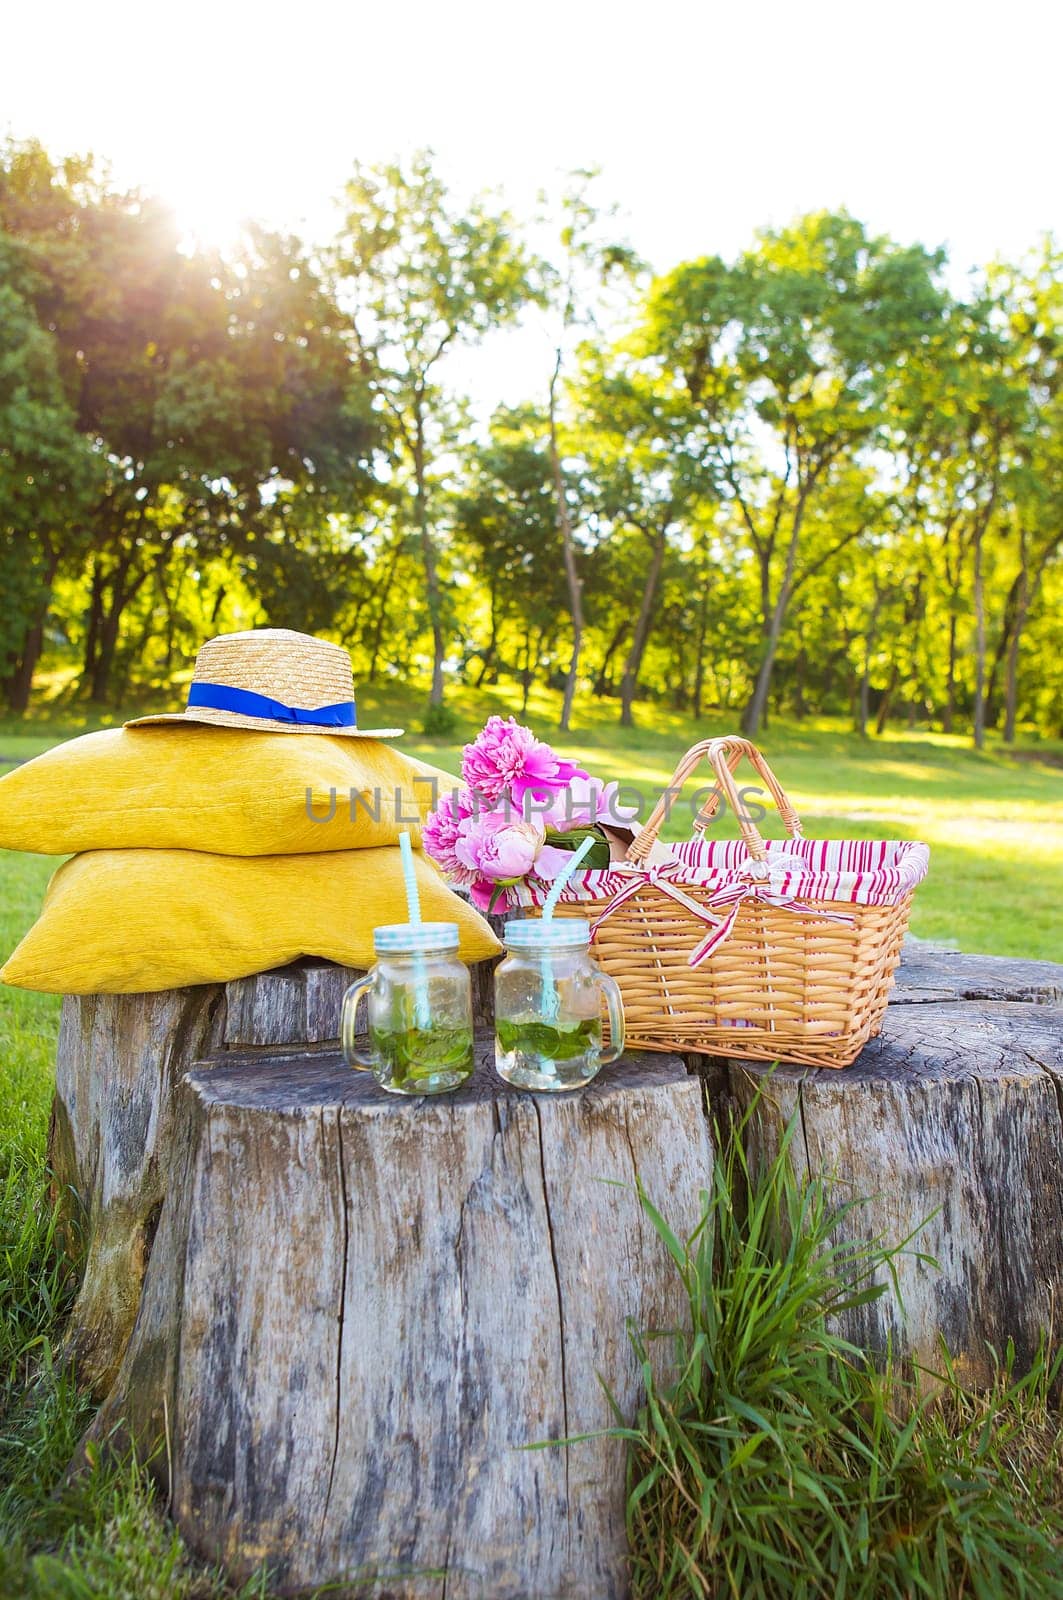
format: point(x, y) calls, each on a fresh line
point(424, 278)
point(806, 478)
point(777, 1461)
point(205, 394)
point(439, 722)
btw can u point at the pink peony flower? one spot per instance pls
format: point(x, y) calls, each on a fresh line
point(442, 831)
point(497, 847)
point(550, 861)
point(611, 812)
point(507, 758)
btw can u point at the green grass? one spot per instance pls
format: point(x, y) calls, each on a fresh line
point(994, 823)
point(995, 826)
point(779, 1462)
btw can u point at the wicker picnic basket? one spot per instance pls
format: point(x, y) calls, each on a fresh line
point(778, 951)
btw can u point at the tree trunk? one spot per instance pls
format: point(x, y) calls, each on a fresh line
point(949, 716)
point(603, 681)
point(526, 674)
point(428, 558)
point(356, 1310)
point(699, 664)
point(360, 1313)
point(136, 653)
point(20, 681)
point(870, 640)
point(382, 609)
point(755, 714)
point(19, 684)
point(756, 710)
point(1000, 654)
point(101, 671)
point(887, 699)
point(1022, 601)
point(568, 545)
point(93, 617)
point(946, 1127)
point(111, 1146)
point(123, 592)
point(487, 656)
point(106, 644)
point(979, 640)
point(1030, 585)
point(863, 711)
point(643, 623)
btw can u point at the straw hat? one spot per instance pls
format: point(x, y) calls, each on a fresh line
point(272, 680)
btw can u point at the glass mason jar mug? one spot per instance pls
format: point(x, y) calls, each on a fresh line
point(548, 1001)
point(420, 1011)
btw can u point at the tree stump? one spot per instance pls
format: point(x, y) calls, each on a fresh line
point(120, 1059)
point(359, 1311)
point(344, 1314)
point(950, 1118)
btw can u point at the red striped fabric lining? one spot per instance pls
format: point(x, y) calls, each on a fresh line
point(867, 872)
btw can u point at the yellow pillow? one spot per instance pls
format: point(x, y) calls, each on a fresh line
point(125, 921)
point(222, 789)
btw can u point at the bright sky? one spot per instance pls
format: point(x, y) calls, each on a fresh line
point(936, 120)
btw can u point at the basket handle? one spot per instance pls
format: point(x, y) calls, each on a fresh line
point(723, 755)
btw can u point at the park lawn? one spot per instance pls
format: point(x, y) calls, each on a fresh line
point(994, 821)
point(995, 827)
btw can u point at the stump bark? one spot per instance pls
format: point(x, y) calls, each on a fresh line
point(360, 1313)
point(119, 1062)
point(345, 1314)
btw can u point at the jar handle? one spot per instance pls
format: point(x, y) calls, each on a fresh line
point(614, 1005)
point(348, 1028)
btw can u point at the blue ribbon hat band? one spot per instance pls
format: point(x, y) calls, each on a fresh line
point(244, 703)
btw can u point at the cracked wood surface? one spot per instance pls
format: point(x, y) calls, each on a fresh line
point(359, 1310)
point(950, 1118)
point(925, 975)
point(118, 1063)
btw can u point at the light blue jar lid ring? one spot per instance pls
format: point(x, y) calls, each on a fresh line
point(415, 938)
point(553, 933)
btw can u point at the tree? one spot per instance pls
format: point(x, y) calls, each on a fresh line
point(645, 479)
point(505, 515)
point(422, 278)
point(1032, 302)
point(217, 398)
point(47, 468)
point(786, 359)
point(47, 472)
point(589, 264)
point(967, 407)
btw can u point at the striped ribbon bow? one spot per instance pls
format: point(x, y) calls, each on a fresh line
point(730, 896)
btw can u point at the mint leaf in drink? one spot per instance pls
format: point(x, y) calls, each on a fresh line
point(412, 1053)
point(536, 1038)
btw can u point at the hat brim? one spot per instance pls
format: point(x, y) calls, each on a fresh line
point(232, 719)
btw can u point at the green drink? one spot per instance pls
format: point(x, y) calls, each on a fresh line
point(419, 1001)
point(548, 1007)
point(419, 1060)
